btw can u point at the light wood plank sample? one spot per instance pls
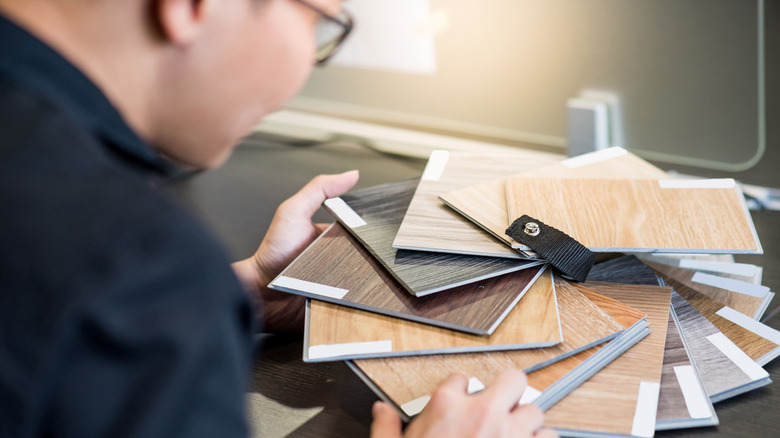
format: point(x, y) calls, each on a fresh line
point(337, 268)
point(725, 374)
point(585, 323)
point(373, 216)
point(683, 401)
point(639, 215)
point(755, 344)
point(485, 204)
point(751, 302)
point(609, 402)
point(429, 225)
point(336, 332)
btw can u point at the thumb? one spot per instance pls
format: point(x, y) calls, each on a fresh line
point(322, 187)
point(387, 423)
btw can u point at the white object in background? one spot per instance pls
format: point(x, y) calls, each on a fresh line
point(588, 126)
point(392, 35)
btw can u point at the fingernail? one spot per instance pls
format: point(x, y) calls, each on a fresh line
point(376, 408)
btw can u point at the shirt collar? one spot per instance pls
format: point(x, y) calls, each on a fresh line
point(33, 65)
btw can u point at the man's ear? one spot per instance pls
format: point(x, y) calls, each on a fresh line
point(180, 21)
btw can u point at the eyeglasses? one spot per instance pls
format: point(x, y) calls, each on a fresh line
point(331, 30)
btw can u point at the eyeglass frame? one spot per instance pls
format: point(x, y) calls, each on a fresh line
point(346, 27)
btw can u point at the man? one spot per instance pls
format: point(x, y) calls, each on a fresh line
point(120, 315)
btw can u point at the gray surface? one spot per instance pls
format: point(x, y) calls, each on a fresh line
point(323, 400)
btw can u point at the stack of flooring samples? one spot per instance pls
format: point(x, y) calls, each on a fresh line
point(417, 280)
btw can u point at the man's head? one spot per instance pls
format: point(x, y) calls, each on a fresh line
point(190, 76)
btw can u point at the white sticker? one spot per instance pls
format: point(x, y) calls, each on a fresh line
point(750, 324)
point(695, 399)
point(743, 287)
point(474, 386)
point(345, 212)
point(646, 408)
point(529, 395)
point(736, 355)
point(415, 406)
point(593, 157)
point(350, 348)
point(436, 164)
point(308, 286)
point(721, 183)
point(741, 269)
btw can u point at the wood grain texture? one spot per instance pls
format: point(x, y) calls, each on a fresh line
point(752, 344)
point(584, 325)
point(637, 215)
point(745, 304)
point(626, 269)
point(673, 412)
point(721, 377)
point(431, 226)
point(337, 259)
point(383, 208)
point(532, 323)
point(606, 403)
point(485, 204)
point(752, 275)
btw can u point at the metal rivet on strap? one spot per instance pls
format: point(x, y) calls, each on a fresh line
point(531, 228)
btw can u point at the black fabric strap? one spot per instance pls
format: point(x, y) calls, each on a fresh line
point(563, 252)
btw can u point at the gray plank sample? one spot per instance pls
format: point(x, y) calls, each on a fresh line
point(682, 402)
point(382, 209)
point(722, 377)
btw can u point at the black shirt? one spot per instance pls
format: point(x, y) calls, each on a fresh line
point(119, 312)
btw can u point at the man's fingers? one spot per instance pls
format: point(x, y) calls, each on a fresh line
point(387, 423)
point(507, 388)
point(528, 418)
point(322, 187)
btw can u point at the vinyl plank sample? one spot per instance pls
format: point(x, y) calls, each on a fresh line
point(485, 204)
point(336, 332)
point(429, 225)
point(627, 269)
point(373, 216)
point(724, 369)
point(338, 269)
point(747, 298)
point(737, 271)
point(585, 323)
point(760, 342)
point(621, 399)
point(683, 401)
point(639, 215)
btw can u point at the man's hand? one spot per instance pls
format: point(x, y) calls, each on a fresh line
point(291, 231)
point(451, 412)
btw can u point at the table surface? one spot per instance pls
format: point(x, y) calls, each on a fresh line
point(290, 398)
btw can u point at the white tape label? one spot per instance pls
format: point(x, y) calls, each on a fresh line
point(749, 323)
point(436, 164)
point(593, 157)
point(646, 408)
point(736, 355)
point(349, 349)
point(695, 399)
point(308, 286)
point(344, 212)
point(742, 287)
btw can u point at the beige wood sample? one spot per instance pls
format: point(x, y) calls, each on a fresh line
point(759, 348)
point(404, 379)
point(533, 322)
point(430, 225)
point(485, 203)
point(607, 402)
point(750, 305)
point(639, 215)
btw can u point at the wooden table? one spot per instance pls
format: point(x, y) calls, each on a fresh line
point(290, 398)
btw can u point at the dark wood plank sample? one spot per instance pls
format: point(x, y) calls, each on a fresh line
point(683, 401)
point(349, 275)
point(625, 269)
point(335, 332)
point(721, 375)
point(382, 209)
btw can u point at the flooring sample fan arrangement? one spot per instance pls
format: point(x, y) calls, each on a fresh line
point(417, 280)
